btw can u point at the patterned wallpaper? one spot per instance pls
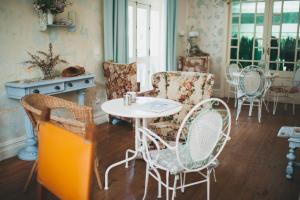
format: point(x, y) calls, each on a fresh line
point(208, 17)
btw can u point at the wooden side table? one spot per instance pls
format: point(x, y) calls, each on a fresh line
point(18, 89)
point(293, 135)
point(194, 64)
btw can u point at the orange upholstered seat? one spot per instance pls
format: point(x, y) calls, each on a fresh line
point(65, 162)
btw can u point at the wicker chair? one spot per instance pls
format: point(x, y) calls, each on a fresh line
point(75, 118)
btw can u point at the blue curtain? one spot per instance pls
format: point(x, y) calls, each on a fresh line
point(171, 31)
point(115, 30)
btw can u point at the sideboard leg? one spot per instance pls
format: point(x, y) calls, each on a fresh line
point(81, 95)
point(291, 157)
point(29, 152)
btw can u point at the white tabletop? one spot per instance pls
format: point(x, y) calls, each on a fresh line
point(116, 107)
point(266, 75)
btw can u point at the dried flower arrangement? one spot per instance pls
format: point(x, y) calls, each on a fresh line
point(47, 64)
point(54, 6)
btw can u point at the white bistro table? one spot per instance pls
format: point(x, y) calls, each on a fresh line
point(136, 111)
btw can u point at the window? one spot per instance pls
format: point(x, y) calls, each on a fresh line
point(145, 31)
point(265, 33)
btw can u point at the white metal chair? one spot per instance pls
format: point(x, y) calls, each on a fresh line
point(232, 80)
point(251, 89)
point(289, 91)
point(200, 139)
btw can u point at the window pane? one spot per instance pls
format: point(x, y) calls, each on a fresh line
point(248, 7)
point(273, 54)
point(291, 6)
point(235, 8)
point(234, 42)
point(246, 46)
point(272, 66)
point(274, 42)
point(247, 18)
point(260, 7)
point(277, 7)
point(257, 54)
point(276, 19)
point(287, 49)
point(259, 31)
point(141, 32)
point(130, 31)
point(233, 53)
point(259, 19)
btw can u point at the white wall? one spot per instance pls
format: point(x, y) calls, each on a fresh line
point(209, 18)
point(19, 33)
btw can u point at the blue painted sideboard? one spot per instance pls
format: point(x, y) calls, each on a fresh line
point(59, 85)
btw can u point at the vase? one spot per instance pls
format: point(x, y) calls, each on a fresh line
point(50, 17)
point(48, 73)
point(43, 21)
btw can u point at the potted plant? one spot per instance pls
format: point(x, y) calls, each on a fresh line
point(50, 8)
point(47, 64)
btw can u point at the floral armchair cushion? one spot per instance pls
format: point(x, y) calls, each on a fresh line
point(120, 78)
point(188, 88)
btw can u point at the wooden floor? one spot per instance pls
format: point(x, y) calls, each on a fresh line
point(252, 165)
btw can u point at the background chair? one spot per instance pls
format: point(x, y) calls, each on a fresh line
point(290, 91)
point(199, 141)
point(251, 89)
point(71, 115)
point(65, 158)
point(188, 88)
point(120, 78)
point(232, 80)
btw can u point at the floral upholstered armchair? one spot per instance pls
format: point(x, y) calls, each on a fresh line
point(120, 78)
point(188, 88)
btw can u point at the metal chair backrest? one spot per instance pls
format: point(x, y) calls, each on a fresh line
point(203, 134)
point(252, 81)
point(296, 79)
point(230, 70)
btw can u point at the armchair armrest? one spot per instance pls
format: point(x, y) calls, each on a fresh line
point(149, 93)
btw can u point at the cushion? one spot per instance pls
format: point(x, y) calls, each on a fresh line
point(167, 159)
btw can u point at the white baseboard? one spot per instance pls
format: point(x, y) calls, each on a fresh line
point(11, 147)
point(100, 118)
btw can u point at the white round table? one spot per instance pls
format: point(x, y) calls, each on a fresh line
point(140, 112)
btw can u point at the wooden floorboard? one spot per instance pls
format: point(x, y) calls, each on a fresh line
point(252, 165)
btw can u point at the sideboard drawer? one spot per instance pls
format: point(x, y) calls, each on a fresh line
point(47, 89)
point(78, 84)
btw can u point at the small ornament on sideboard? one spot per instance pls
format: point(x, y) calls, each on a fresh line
point(46, 64)
point(73, 71)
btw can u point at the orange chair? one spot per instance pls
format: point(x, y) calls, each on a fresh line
point(73, 118)
point(65, 160)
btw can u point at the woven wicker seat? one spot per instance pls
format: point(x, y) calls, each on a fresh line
point(66, 114)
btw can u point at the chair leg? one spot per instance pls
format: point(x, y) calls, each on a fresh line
point(259, 110)
point(251, 108)
point(240, 103)
point(158, 183)
point(208, 184)
point(228, 93)
point(33, 168)
point(146, 182)
point(235, 97)
point(40, 194)
point(293, 108)
point(98, 177)
point(167, 185)
point(182, 181)
point(174, 187)
point(275, 102)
